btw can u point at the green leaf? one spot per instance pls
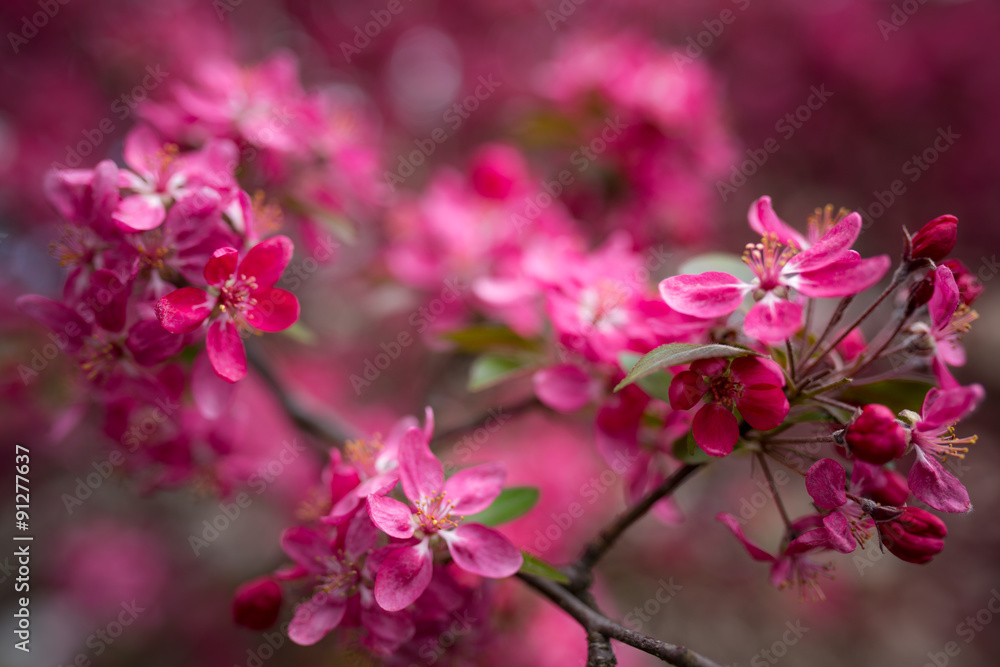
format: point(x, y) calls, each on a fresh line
point(512, 503)
point(484, 338)
point(686, 450)
point(675, 354)
point(717, 261)
point(897, 395)
point(490, 370)
point(300, 333)
point(656, 385)
point(540, 568)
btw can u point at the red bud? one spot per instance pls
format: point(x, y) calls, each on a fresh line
point(915, 536)
point(875, 436)
point(256, 603)
point(935, 239)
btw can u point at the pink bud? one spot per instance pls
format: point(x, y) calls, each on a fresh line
point(256, 604)
point(852, 345)
point(496, 170)
point(915, 536)
point(892, 490)
point(935, 239)
point(875, 436)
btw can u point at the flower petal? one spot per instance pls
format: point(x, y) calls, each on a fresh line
point(306, 547)
point(212, 394)
point(946, 407)
point(772, 319)
point(403, 576)
point(711, 294)
point(686, 389)
point(267, 260)
point(59, 318)
point(183, 310)
point(315, 618)
point(937, 487)
point(564, 388)
point(839, 533)
point(733, 524)
point(763, 407)
point(945, 299)
point(765, 221)
point(143, 150)
point(391, 516)
point(483, 551)
point(420, 471)
point(109, 298)
point(474, 489)
point(715, 429)
point(846, 276)
point(226, 351)
point(276, 309)
point(828, 249)
point(750, 371)
point(139, 213)
point(826, 482)
point(221, 266)
point(150, 343)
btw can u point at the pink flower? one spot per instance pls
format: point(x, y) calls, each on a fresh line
point(436, 512)
point(828, 268)
point(935, 239)
point(750, 384)
point(244, 297)
point(933, 438)
point(875, 436)
point(915, 535)
point(792, 566)
point(950, 319)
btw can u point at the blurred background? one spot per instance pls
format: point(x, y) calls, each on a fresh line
point(888, 108)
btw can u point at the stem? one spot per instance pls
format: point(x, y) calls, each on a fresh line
point(774, 491)
point(790, 361)
point(820, 439)
point(595, 622)
point(834, 319)
point(471, 425)
point(827, 387)
point(332, 431)
point(607, 537)
point(859, 366)
point(834, 403)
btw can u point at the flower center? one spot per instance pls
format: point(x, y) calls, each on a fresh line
point(766, 259)
point(341, 578)
point(725, 390)
point(234, 296)
point(599, 305)
point(434, 514)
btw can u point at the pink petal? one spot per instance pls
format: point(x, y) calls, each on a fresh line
point(393, 628)
point(946, 407)
point(275, 310)
point(315, 618)
point(750, 371)
point(710, 294)
point(771, 319)
point(212, 394)
point(150, 343)
point(226, 351)
point(66, 323)
point(715, 429)
point(483, 551)
point(109, 299)
point(945, 299)
point(474, 489)
point(139, 213)
point(267, 260)
point(564, 388)
point(306, 547)
point(763, 408)
point(419, 470)
point(686, 389)
point(937, 487)
point(391, 516)
point(361, 536)
point(765, 221)
point(403, 576)
point(839, 537)
point(221, 266)
point(143, 150)
point(733, 524)
point(828, 249)
point(844, 277)
point(183, 310)
point(826, 482)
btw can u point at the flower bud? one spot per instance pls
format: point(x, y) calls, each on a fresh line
point(969, 287)
point(920, 293)
point(875, 436)
point(496, 170)
point(935, 239)
point(915, 536)
point(892, 489)
point(256, 603)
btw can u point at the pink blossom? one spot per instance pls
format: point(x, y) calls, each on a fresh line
point(436, 511)
point(950, 319)
point(244, 295)
point(933, 438)
point(827, 268)
point(750, 384)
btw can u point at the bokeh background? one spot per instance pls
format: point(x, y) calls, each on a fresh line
point(726, 79)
